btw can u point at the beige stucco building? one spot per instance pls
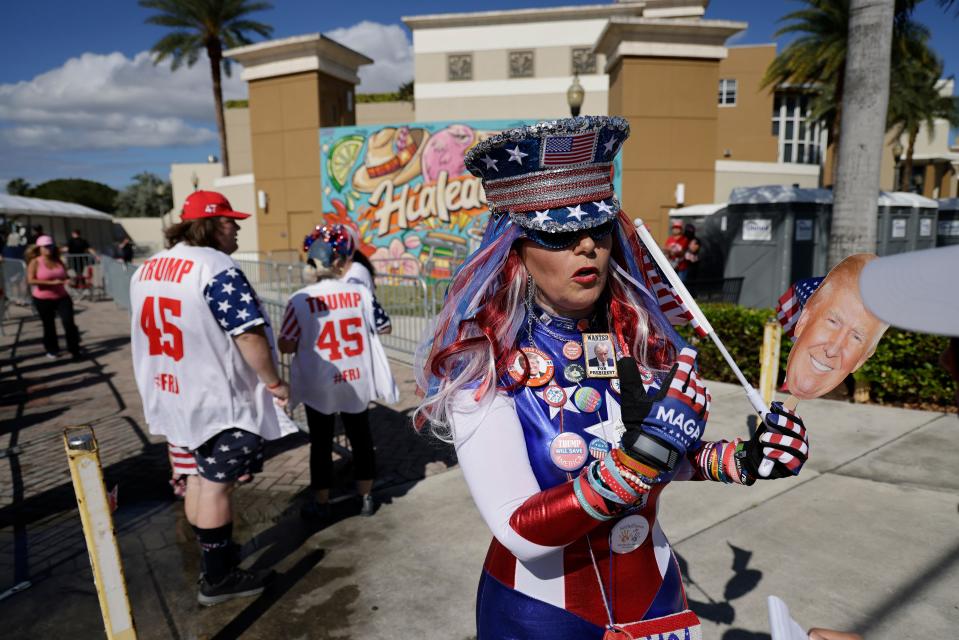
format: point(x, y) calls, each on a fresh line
point(702, 123)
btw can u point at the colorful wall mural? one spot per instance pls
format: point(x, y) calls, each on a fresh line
point(406, 191)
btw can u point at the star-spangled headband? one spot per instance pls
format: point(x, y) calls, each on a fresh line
point(326, 243)
point(552, 176)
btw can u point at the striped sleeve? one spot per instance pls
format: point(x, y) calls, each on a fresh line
point(290, 329)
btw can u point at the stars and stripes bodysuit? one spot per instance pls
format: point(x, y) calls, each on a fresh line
point(552, 571)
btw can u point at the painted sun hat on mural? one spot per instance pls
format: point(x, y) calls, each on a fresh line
point(915, 290)
point(392, 153)
point(552, 177)
point(209, 204)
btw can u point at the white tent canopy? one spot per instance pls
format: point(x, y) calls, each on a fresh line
point(19, 205)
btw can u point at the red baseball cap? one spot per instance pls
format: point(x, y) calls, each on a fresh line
point(209, 204)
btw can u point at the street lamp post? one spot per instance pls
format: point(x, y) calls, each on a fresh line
point(897, 155)
point(575, 95)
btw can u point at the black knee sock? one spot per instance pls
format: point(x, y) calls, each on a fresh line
point(216, 547)
point(196, 534)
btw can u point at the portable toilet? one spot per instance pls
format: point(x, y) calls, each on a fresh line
point(774, 235)
point(947, 229)
point(893, 226)
point(927, 215)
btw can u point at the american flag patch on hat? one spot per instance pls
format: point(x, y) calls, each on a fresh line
point(564, 150)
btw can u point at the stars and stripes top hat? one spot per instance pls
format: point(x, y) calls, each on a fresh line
point(554, 176)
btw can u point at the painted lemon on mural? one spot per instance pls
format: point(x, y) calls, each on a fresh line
point(341, 159)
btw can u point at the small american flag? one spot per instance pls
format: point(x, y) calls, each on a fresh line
point(792, 302)
point(563, 150)
point(669, 301)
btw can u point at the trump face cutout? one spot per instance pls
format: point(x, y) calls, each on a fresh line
point(835, 333)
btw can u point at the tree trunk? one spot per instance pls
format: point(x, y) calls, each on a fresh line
point(863, 125)
point(215, 53)
point(905, 184)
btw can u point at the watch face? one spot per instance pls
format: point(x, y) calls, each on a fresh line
point(654, 451)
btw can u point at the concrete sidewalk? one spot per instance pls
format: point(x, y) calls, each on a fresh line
point(864, 539)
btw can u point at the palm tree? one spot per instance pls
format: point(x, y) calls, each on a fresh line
point(859, 154)
point(916, 102)
point(205, 25)
point(816, 60)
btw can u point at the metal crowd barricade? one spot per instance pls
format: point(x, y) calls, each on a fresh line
point(86, 276)
point(273, 280)
point(15, 285)
point(116, 275)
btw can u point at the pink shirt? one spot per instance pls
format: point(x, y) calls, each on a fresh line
point(49, 291)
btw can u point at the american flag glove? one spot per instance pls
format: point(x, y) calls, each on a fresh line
point(678, 411)
point(782, 439)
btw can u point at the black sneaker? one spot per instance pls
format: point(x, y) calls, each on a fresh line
point(369, 506)
point(315, 511)
point(238, 584)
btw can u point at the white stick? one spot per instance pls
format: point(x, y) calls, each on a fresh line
point(687, 299)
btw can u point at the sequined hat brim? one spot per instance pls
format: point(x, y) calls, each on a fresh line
point(584, 215)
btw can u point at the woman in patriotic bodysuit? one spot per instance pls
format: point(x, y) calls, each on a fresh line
point(566, 458)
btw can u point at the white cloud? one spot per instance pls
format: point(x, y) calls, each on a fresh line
point(110, 101)
point(389, 47)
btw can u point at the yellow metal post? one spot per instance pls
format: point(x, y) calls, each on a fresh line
point(84, 459)
point(769, 370)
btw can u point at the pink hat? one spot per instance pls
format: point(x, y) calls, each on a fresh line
point(45, 241)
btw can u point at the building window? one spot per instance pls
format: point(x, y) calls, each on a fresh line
point(520, 64)
point(584, 60)
point(799, 140)
point(727, 92)
point(459, 66)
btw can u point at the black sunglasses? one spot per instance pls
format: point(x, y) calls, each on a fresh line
point(563, 239)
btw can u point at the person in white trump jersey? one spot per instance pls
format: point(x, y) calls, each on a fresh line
point(204, 361)
point(339, 365)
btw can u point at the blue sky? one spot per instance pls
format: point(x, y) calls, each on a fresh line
point(80, 98)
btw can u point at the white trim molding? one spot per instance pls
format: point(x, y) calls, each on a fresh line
point(299, 54)
point(670, 38)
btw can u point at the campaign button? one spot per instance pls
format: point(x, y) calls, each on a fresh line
point(598, 448)
point(554, 395)
point(568, 451)
point(645, 375)
point(614, 384)
point(540, 367)
point(587, 399)
point(574, 372)
point(628, 534)
point(572, 350)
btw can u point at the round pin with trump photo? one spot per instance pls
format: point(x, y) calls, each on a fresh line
point(540, 367)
